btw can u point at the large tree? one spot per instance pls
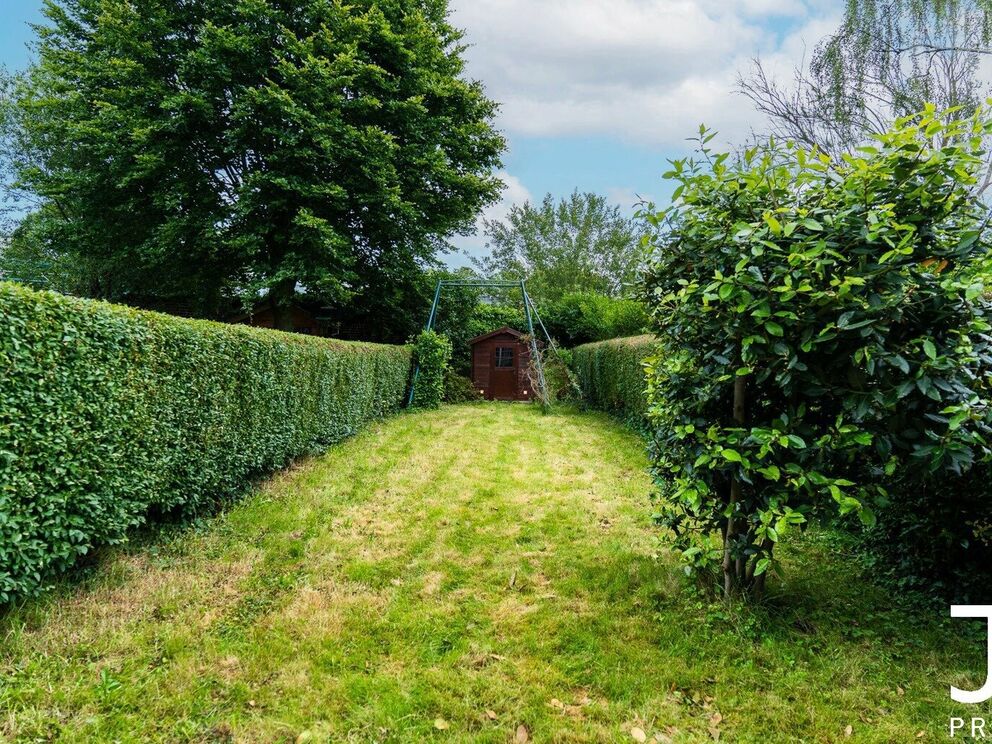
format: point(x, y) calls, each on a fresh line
point(579, 244)
point(888, 58)
point(211, 147)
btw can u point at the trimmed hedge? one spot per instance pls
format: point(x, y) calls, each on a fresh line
point(611, 375)
point(110, 416)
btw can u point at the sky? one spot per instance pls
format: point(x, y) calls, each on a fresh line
point(598, 95)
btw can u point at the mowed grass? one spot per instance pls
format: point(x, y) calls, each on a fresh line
point(483, 573)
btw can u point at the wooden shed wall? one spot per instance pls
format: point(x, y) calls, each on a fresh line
point(482, 361)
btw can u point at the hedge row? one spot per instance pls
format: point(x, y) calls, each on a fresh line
point(111, 416)
point(611, 375)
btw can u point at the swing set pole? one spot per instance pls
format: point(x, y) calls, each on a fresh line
point(534, 351)
point(430, 324)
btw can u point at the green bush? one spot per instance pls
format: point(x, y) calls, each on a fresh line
point(584, 317)
point(432, 352)
point(459, 388)
point(611, 375)
point(110, 416)
point(824, 341)
point(561, 383)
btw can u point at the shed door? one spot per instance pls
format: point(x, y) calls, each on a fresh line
point(503, 375)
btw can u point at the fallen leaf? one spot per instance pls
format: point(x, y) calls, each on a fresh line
point(251, 703)
point(523, 735)
point(900, 692)
point(715, 733)
point(556, 703)
point(637, 734)
point(441, 725)
point(716, 719)
point(921, 734)
point(491, 715)
point(849, 730)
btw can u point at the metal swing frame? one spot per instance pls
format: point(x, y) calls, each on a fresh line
point(530, 311)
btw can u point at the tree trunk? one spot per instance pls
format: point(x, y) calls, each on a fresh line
point(732, 569)
point(281, 296)
point(729, 564)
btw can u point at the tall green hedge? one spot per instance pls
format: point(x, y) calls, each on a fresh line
point(110, 416)
point(611, 375)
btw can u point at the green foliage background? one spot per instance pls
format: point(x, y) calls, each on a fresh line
point(612, 377)
point(432, 351)
point(583, 317)
point(581, 243)
point(111, 416)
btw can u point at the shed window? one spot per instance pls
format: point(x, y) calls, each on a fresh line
point(504, 357)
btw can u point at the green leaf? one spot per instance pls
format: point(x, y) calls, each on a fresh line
point(774, 329)
point(929, 349)
point(771, 472)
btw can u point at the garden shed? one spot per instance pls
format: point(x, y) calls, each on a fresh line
point(500, 360)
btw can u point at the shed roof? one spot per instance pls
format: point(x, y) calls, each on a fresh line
point(504, 331)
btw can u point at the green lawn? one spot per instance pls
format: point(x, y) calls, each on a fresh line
point(481, 573)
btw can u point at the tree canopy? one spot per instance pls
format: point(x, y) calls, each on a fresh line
point(578, 244)
point(220, 148)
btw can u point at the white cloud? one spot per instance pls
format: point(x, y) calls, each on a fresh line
point(643, 70)
point(475, 245)
point(626, 198)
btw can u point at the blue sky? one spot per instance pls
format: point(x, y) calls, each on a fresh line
point(598, 94)
point(14, 31)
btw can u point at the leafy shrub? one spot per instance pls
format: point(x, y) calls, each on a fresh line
point(585, 317)
point(432, 352)
point(560, 383)
point(824, 338)
point(611, 375)
point(487, 317)
point(459, 388)
point(935, 538)
point(110, 416)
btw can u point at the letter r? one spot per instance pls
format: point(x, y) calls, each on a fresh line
point(985, 692)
